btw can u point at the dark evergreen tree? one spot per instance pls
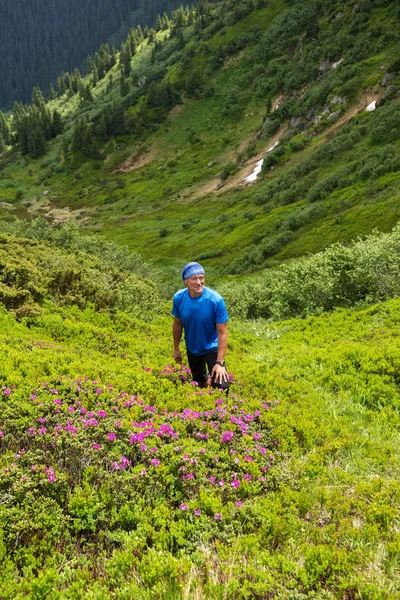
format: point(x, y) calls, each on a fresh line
point(125, 59)
point(56, 124)
point(52, 92)
point(37, 97)
point(123, 85)
point(4, 129)
point(78, 135)
point(36, 137)
point(165, 22)
point(159, 24)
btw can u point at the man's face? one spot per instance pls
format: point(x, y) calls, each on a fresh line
point(195, 285)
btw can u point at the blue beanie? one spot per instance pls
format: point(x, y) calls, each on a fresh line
point(192, 268)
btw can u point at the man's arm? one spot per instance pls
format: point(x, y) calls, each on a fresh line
point(177, 335)
point(220, 372)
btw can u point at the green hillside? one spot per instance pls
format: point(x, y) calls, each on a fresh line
point(117, 480)
point(195, 108)
point(41, 40)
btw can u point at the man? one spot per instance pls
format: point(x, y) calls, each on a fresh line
point(201, 313)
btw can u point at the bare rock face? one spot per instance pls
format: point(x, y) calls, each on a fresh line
point(386, 78)
point(297, 123)
point(324, 65)
point(333, 116)
point(338, 100)
point(339, 15)
point(390, 91)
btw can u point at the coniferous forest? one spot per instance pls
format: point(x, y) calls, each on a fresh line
point(49, 37)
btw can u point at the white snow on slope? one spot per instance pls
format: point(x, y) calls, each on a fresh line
point(258, 167)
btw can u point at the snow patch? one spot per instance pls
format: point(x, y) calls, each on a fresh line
point(259, 164)
point(371, 106)
point(337, 63)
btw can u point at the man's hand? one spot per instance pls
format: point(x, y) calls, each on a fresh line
point(219, 374)
point(177, 356)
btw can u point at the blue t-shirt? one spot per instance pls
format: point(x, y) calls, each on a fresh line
point(200, 317)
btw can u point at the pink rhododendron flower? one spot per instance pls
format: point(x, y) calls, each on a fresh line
point(247, 477)
point(111, 437)
point(197, 512)
point(155, 462)
point(183, 507)
point(218, 517)
point(227, 436)
point(235, 483)
point(239, 503)
point(96, 446)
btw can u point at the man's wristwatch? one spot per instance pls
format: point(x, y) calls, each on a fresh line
point(221, 363)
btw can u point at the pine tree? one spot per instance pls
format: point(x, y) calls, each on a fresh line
point(88, 93)
point(123, 86)
point(89, 141)
point(125, 59)
point(36, 138)
point(4, 129)
point(110, 83)
point(52, 92)
point(76, 81)
point(78, 135)
point(2, 144)
point(95, 76)
point(102, 127)
point(132, 41)
point(37, 97)
point(139, 34)
point(90, 64)
point(159, 24)
point(165, 22)
point(56, 124)
point(44, 119)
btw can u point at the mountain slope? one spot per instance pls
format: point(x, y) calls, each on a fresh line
point(120, 479)
point(39, 40)
point(198, 107)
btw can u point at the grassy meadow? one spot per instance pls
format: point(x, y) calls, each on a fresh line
point(119, 478)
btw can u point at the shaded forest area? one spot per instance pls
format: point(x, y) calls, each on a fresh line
point(39, 40)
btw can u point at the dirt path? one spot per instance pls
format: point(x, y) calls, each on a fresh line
point(237, 181)
point(137, 162)
point(42, 207)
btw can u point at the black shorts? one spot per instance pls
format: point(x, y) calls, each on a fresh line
point(199, 363)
